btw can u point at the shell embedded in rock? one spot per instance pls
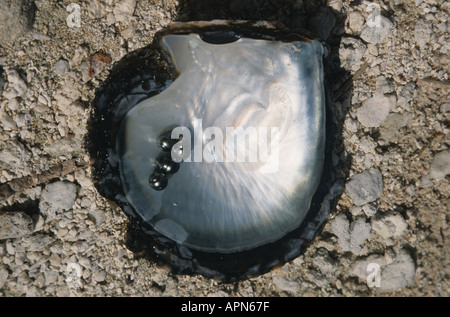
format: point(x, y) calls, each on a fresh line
point(219, 208)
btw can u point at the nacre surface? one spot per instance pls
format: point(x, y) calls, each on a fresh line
point(230, 206)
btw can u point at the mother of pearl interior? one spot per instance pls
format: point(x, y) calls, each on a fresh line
point(250, 83)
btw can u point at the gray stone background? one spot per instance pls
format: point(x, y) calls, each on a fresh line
point(60, 237)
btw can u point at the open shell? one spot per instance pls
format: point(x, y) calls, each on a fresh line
point(213, 214)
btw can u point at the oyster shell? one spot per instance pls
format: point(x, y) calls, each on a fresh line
point(223, 75)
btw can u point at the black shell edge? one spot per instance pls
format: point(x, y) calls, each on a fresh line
point(249, 29)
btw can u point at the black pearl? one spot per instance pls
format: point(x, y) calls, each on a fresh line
point(165, 142)
point(158, 181)
point(165, 165)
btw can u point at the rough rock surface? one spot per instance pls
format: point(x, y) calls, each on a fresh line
point(17, 18)
point(391, 121)
point(376, 31)
point(374, 111)
point(56, 198)
point(17, 86)
point(390, 225)
point(350, 237)
point(440, 166)
point(395, 273)
point(15, 225)
point(351, 53)
point(365, 187)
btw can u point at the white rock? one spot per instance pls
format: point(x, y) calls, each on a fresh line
point(406, 94)
point(98, 217)
point(39, 222)
point(425, 182)
point(79, 55)
point(318, 278)
point(336, 4)
point(98, 275)
point(355, 21)
point(60, 194)
point(350, 237)
point(128, 32)
point(7, 123)
point(374, 111)
point(394, 274)
point(422, 33)
point(325, 264)
point(15, 225)
point(86, 235)
point(14, 156)
point(356, 211)
point(61, 66)
point(51, 277)
point(389, 130)
point(22, 119)
point(367, 144)
point(13, 104)
point(96, 10)
point(66, 97)
point(62, 290)
point(359, 268)
point(351, 52)
point(64, 147)
point(351, 125)
point(84, 180)
point(440, 166)
point(373, 50)
point(61, 233)
point(360, 232)
point(442, 27)
point(399, 273)
point(124, 10)
point(369, 210)
point(365, 187)
point(16, 85)
point(9, 247)
point(286, 284)
point(376, 29)
point(85, 262)
point(55, 260)
point(390, 225)
point(56, 198)
point(38, 242)
point(384, 85)
point(110, 18)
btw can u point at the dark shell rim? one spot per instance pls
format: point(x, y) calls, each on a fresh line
point(247, 29)
point(142, 238)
